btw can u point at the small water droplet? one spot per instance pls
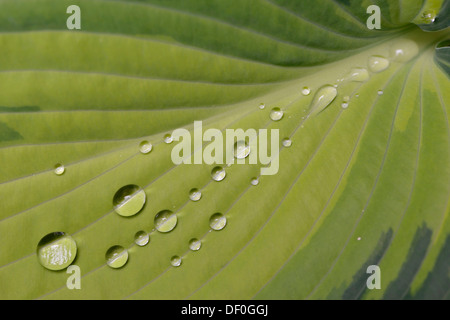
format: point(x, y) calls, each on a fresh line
point(116, 257)
point(254, 181)
point(141, 238)
point(175, 261)
point(195, 244)
point(287, 142)
point(195, 194)
point(346, 98)
point(380, 92)
point(218, 174)
point(145, 147)
point(168, 138)
point(428, 17)
point(344, 105)
point(306, 91)
point(404, 50)
point(262, 106)
point(165, 221)
point(217, 221)
point(129, 200)
point(323, 98)
point(241, 150)
point(276, 114)
point(378, 63)
point(56, 251)
point(59, 169)
point(359, 238)
point(357, 75)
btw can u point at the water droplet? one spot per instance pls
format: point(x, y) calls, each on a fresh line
point(195, 244)
point(141, 238)
point(241, 150)
point(56, 251)
point(59, 169)
point(404, 50)
point(378, 63)
point(145, 147)
point(195, 194)
point(217, 221)
point(168, 138)
point(218, 173)
point(165, 221)
point(175, 261)
point(323, 98)
point(306, 91)
point(287, 142)
point(380, 92)
point(129, 200)
point(346, 98)
point(428, 17)
point(276, 114)
point(344, 105)
point(116, 257)
point(358, 75)
point(262, 106)
point(254, 181)
point(359, 238)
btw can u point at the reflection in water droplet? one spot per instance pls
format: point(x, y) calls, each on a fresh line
point(306, 91)
point(116, 257)
point(129, 200)
point(262, 106)
point(195, 194)
point(404, 50)
point(287, 142)
point(175, 261)
point(217, 221)
point(195, 244)
point(358, 75)
point(241, 150)
point(56, 251)
point(59, 169)
point(141, 238)
point(378, 63)
point(254, 181)
point(168, 138)
point(218, 173)
point(323, 98)
point(145, 147)
point(276, 114)
point(165, 221)
point(428, 17)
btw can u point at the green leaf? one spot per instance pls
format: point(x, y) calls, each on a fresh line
point(364, 184)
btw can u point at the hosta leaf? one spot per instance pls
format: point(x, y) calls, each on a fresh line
point(365, 181)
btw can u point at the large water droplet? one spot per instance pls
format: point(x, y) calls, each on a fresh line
point(56, 251)
point(217, 221)
point(141, 238)
point(195, 194)
point(129, 200)
point(116, 257)
point(195, 244)
point(165, 221)
point(241, 150)
point(358, 75)
point(378, 63)
point(323, 98)
point(306, 91)
point(59, 169)
point(175, 261)
point(218, 173)
point(404, 50)
point(145, 147)
point(276, 114)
